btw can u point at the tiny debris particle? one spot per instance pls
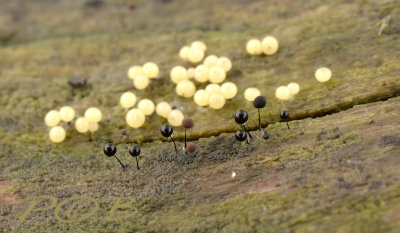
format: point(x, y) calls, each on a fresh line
point(5, 213)
point(94, 3)
point(233, 174)
point(77, 81)
point(123, 132)
point(329, 134)
point(345, 185)
point(131, 6)
point(375, 185)
point(164, 1)
point(391, 140)
point(320, 134)
point(8, 35)
point(384, 23)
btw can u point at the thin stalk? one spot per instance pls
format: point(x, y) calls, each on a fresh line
point(123, 166)
point(185, 142)
point(259, 120)
point(176, 150)
point(137, 163)
point(245, 129)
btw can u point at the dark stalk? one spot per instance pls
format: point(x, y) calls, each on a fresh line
point(137, 163)
point(123, 166)
point(245, 129)
point(176, 150)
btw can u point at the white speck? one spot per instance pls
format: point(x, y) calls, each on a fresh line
point(233, 174)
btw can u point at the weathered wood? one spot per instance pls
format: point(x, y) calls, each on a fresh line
point(335, 170)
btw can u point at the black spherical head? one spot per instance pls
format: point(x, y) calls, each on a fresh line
point(259, 102)
point(241, 117)
point(241, 135)
point(266, 136)
point(109, 150)
point(134, 151)
point(284, 114)
point(166, 131)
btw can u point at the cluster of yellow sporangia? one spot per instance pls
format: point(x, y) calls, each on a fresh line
point(213, 69)
point(141, 75)
point(193, 53)
point(67, 114)
point(268, 46)
point(136, 117)
point(287, 92)
point(214, 95)
point(322, 75)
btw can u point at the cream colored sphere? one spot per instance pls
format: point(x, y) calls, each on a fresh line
point(195, 55)
point(185, 89)
point(216, 101)
point(146, 106)
point(270, 45)
point(93, 114)
point(150, 69)
point(213, 88)
point(201, 73)
point(184, 52)
point(67, 113)
point(135, 118)
point(52, 118)
point(283, 93)
point(141, 82)
point(175, 117)
point(254, 47)
point(225, 63)
point(229, 90)
point(82, 125)
point(57, 134)
point(127, 100)
point(201, 97)
point(294, 88)
point(93, 127)
point(251, 93)
point(211, 60)
point(199, 45)
point(178, 74)
point(135, 71)
point(323, 74)
point(216, 74)
point(163, 109)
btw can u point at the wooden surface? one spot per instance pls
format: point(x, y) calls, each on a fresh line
point(336, 170)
